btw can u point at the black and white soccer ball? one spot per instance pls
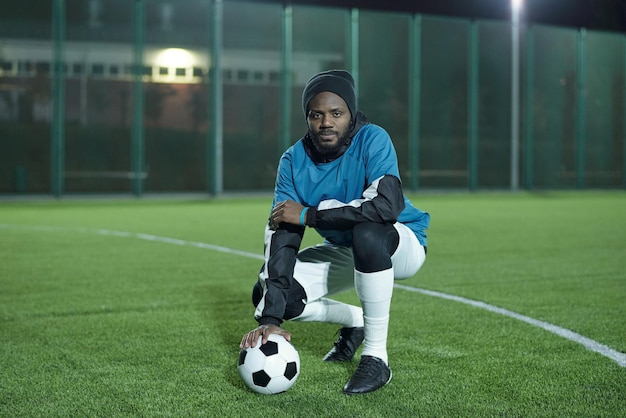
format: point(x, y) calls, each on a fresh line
point(269, 368)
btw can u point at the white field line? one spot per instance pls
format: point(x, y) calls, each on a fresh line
point(618, 357)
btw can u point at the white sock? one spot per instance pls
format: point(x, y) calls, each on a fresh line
point(328, 310)
point(375, 290)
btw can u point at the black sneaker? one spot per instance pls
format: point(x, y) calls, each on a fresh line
point(349, 340)
point(371, 374)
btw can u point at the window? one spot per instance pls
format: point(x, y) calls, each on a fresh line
point(6, 65)
point(78, 69)
point(97, 69)
point(24, 67)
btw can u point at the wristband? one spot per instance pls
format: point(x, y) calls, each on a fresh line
point(303, 216)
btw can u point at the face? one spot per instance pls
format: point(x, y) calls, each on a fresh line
point(328, 120)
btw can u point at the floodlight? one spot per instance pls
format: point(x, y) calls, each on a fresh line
point(175, 57)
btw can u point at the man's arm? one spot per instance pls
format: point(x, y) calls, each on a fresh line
point(282, 242)
point(282, 246)
point(382, 202)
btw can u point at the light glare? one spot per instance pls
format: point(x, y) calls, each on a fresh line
point(516, 4)
point(175, 57)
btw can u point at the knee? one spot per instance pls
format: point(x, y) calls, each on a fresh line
point(371, 243)
point(365, 232)
point(366, 239)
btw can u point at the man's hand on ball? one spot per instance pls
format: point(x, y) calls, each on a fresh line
point(251, 338)
point(287, 211)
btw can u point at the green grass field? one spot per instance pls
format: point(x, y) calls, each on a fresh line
point(113, 308)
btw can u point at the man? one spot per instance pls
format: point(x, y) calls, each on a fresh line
point(342, 179)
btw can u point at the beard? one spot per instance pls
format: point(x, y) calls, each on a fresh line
point(328, 150)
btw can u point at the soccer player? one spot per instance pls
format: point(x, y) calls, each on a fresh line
point(342, 179)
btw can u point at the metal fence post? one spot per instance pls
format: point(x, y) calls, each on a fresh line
point(624, 120)
point(515, 70)
point(472, 103)
point(286, 79)
point(415, 76)
point(215, 140)
point(581, 116)
point(529, 124)
point(137, 129)
point(57, 142)
point(353, 48)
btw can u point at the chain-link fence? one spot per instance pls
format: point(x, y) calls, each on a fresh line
point(111, 96)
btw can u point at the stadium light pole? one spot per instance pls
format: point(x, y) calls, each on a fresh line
point(516, 8)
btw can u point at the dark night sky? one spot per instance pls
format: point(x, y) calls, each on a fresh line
point(592, 14)
point(607, 15)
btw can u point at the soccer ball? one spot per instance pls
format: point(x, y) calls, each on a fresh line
point(269, 368)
